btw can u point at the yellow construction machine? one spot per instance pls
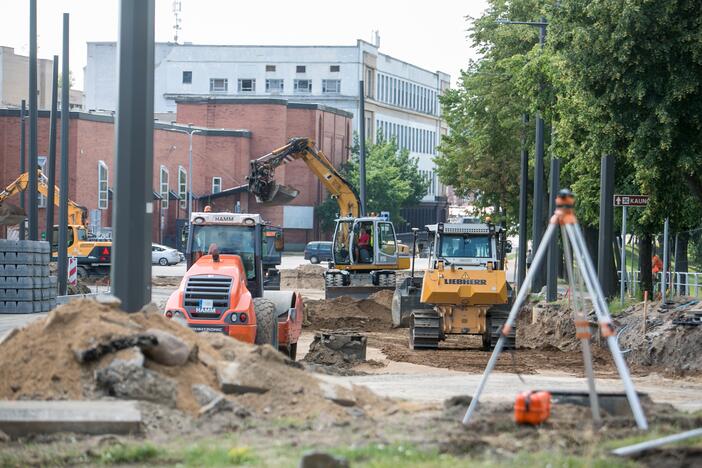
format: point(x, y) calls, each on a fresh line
point(464, 290)
point(93, 256)
point(365, 250)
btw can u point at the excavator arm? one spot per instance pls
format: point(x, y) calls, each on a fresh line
point(263, 185)
point(77, 214)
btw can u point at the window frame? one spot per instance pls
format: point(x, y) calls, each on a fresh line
point(189, 74)
point(300, 68)
point(183, 187)
point(164, 194)
point(225, 81)
point(270, 68)
point(103, 199)
point(296, 87)
point(219, 179)
point(275, 91)
point(240, 85)
point(325, 83)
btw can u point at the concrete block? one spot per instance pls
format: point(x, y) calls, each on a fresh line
point(17, 307)
point(21, 418)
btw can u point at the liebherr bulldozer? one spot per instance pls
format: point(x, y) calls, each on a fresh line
point(464, 290)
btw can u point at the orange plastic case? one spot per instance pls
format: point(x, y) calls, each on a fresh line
point(532, 407)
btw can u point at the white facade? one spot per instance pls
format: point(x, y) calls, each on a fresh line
point(401, 98)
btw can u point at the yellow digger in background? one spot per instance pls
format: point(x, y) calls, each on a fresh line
point(93, 256)
point(365, 250)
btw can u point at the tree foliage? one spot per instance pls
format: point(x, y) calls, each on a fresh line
point(393, 181)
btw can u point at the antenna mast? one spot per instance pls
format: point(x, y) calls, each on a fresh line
point(176, 16)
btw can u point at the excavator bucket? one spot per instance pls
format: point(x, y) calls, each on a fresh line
point(278, 194)
point(11, 214)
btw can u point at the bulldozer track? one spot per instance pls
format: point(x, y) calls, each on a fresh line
point(425, 329)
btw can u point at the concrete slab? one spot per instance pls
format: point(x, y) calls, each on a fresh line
point(19, 418)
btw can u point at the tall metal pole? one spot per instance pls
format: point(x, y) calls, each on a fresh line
point(362, 143)
point(552, 261)
point(52, 155)
point(538, 209)
point(63, 194)
point(622, 256)
point(190, 171)
point(23, 159)
point(523, 182)
point(605, 253)
point(33, 114)
point(133, 204)
point(664, 282)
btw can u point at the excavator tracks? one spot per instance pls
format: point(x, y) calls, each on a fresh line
point(425, 329)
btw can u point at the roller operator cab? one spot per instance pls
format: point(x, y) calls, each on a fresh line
point(364, 250)
point(222, 291)
point(464, 290)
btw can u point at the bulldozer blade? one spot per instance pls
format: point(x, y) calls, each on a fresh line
point(279, 195)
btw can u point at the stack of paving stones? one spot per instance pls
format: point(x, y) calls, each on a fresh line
point(25, 284)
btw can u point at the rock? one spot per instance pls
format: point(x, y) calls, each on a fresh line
point(110, 346)
point(134, 382)
point(130, 356)
point(217, 405)
point(232, 381)
point(4, 437)
point(59, 316)
point(204, 394)
point(8, 336)
point(332, 393)
point(169, 349)
point(322, 460)
point(207, 360)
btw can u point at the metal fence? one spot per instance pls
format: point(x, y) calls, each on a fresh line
point(678, 283)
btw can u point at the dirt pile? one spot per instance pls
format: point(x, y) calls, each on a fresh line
point(166, 280)
point(547, 325)
point(89, 350)
point(346, 313)
point(306, 276)
point(668, 345)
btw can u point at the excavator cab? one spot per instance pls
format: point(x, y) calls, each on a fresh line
point(366, 241)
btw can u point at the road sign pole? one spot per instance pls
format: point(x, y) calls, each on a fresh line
point(622, 281)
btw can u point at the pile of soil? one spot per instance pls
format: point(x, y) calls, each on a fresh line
point(305, 276)
point(47, 360)
point(346, 313)
point(547, 325)
point(166, 280)
point(79, 288)
point(671, 347)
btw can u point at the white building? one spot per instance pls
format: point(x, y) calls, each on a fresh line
point(401, 98)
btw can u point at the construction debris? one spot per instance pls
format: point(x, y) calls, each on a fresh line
point(340, 349)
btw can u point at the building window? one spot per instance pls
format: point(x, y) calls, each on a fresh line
point(216, 184)
point(187, 77)
point(219, 85)
point(369, 83)
point(163, 187)
point(274, 86)
point(247, 85)
point(334, 68)
point(182, 186)
point(301, 69)
point(103, 196)
point(331, 86)
point(303, 86)
point(270, 68)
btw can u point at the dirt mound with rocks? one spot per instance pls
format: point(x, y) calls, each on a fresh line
point(89, 350)
point(545, 325)
point(305, 276)
point(346, 313)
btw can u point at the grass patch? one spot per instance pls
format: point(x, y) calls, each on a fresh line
point(218, 455)
point(616, 307)
point(131, 453)
point(386, 456)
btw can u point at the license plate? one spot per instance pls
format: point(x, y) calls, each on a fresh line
point(197, 328)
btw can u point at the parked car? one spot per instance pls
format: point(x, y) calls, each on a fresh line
point(317, 252)
point(164, 255)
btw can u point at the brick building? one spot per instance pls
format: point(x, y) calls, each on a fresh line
point(230, 132)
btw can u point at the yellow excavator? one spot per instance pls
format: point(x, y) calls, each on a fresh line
point(93, 256)
point(365, 250)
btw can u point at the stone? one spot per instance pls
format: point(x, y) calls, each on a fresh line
point(332, 393)
point(322, 460)
point(130, 356)
point(137, 383)
point(204, 394)
point(207, 360)
point(217, 405)
point(22, 418)
point(169, 349)
point(113, 345)
point(231, 380)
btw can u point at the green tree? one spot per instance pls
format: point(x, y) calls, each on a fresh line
point(393, 181)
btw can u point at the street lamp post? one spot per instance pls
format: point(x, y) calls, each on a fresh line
point(538, 211)
point(190, 131)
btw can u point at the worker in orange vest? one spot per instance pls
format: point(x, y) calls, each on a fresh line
point(656, 265)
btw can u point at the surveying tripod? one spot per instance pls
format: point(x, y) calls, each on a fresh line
point(573, 241)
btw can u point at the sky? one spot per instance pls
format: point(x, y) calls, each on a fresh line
point(431, 35)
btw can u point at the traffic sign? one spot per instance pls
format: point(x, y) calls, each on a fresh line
point(631, 200)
